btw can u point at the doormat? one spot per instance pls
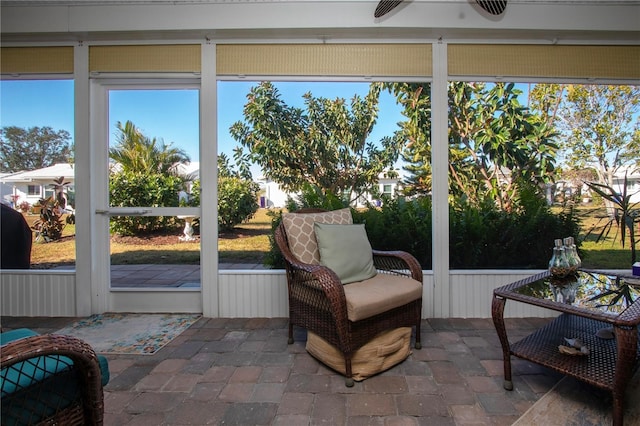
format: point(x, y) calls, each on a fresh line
point(138, 334)
point(571, 402)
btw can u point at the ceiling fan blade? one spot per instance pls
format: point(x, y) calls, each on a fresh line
point(494, 7)
point(385, 6)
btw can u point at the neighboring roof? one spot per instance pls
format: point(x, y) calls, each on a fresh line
point(192, 168)
point(45, 174)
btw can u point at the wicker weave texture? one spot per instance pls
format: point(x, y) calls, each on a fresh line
point(609, 365)
point(79, 404)
point(317, 300)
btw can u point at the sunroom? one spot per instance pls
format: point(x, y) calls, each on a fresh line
point(101, 52)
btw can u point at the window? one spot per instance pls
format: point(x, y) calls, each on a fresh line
point(43, 111)
point(33, 190)
point(308, 98)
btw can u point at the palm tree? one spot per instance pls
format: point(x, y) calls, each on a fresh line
point(138, 153)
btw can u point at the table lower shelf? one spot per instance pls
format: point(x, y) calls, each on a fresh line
point(598, 368)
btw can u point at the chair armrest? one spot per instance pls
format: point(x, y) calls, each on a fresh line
point(81, 353)
point(312, 278)
point(396, 262)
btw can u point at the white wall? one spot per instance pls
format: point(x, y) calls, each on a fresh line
point(246, 294)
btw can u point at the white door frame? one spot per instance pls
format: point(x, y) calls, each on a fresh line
point(105, 298)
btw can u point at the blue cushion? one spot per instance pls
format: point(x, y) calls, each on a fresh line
point(47, 367)
point(10, 336)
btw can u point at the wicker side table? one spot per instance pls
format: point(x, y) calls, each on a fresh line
point(610, 363)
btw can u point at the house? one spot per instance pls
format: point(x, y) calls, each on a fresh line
point(271, 195)
point(32, 185)
point(152, 44)
point(632, 177)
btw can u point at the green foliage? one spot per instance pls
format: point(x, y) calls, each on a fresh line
point(487, 237)
point(493, 141)
point(133, 189)
point(145, 174)
point(237, 201)
point(313, 197)
point(50, 224)
point(625, 215)
point(599, 124)
point(481, 237)
point(400, 224)
point(324, 144)
point(274, 257)
point(33, 148)
point(138, 153)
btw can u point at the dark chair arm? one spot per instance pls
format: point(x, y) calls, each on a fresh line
point(397, 262)
point(82, 354)
point(313, 277)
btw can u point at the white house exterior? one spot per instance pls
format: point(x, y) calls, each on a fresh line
point(272, 196)
point(33, 185)
point(633, 182)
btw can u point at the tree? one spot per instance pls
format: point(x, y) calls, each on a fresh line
point(599, 125)
point(146, 174)
point(136, 152)
point(324, 145)
point(33, 148)
point(496, 146)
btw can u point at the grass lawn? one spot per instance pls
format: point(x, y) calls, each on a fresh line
point(249, 243)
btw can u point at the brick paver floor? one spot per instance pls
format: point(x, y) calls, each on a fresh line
point(242, 372)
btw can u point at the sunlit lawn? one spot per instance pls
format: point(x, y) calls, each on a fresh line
point(247, 244)
point(250, 242)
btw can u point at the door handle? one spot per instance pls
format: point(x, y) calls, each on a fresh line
point(123, 212)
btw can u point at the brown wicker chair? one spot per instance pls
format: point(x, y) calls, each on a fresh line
point(317, 300)
point(51, 379)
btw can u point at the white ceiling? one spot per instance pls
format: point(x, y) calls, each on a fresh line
point(615, 21)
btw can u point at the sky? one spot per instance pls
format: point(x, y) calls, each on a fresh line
point(170, 115)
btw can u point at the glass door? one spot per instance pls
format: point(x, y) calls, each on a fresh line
point(151, 202)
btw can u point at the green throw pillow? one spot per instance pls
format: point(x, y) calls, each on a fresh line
point(345, 249)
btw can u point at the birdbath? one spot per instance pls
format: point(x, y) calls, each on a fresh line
point(188, 228)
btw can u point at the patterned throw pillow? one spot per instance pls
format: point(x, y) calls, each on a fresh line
point(301, 235)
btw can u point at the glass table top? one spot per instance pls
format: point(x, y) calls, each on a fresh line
point(594, 291)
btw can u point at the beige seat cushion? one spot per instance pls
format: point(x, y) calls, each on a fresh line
point(301, 235)
point(381, 353)
point(379, 294)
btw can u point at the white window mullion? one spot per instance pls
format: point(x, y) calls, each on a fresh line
point(440, 186)
point(208, 181)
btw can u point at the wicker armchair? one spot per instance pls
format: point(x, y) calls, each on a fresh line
point(51, 379)
point(317, 300)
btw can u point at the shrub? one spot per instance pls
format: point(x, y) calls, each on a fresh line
point(24, 206)
point(400, 224)
point(133, 189)
point(237, 201)
point(480, 236)
point(49, 225)
point(485, 237)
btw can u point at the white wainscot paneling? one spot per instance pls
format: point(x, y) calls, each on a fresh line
point(245, 294)
point(33, 293)
point(472, 294)
point(253, 294)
